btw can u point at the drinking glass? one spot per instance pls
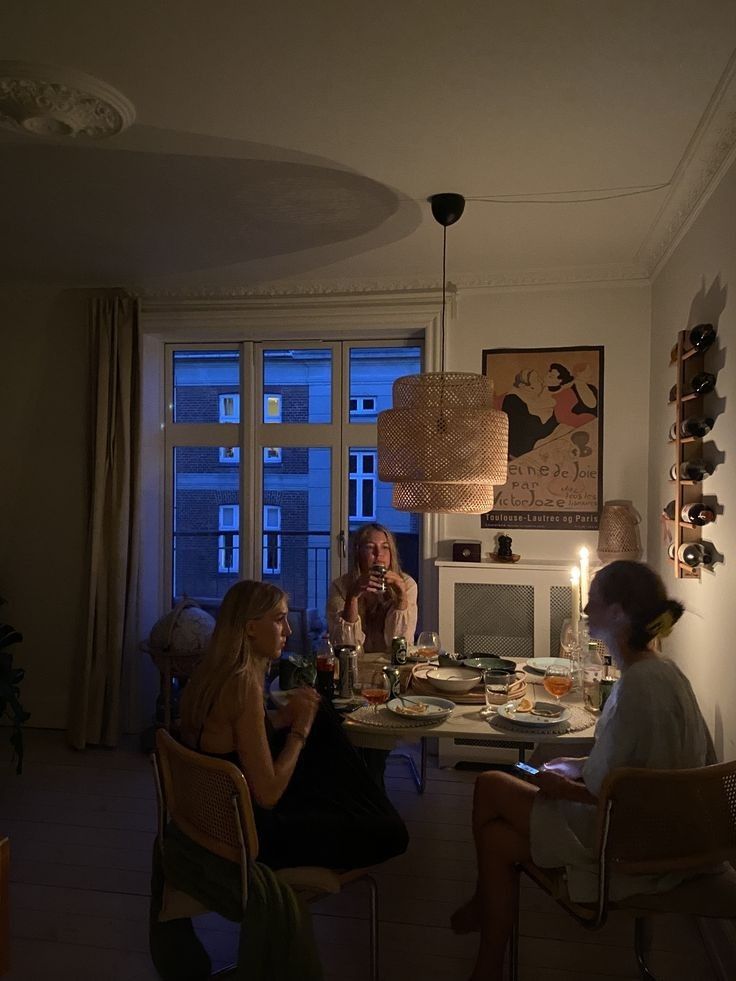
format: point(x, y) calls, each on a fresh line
point(377, 689)
point(558, 680)
point(496, 685)
point(571, 648)
point(428, 644)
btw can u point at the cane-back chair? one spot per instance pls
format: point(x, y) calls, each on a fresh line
point(656, 822)
point(208, 799)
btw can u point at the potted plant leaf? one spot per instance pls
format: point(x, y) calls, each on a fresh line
point(10, 679)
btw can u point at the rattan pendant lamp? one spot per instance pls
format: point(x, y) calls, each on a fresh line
point(443, 445)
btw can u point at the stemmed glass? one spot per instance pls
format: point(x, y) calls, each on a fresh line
point(377, 690)
point(558, 681)
point(570, 644)
point(428, 644)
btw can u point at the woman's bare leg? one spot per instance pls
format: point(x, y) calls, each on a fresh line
point(498, 797)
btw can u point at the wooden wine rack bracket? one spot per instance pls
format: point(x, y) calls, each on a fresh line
point(684, 532)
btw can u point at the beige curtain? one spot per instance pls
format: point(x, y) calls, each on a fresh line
point(94, 711)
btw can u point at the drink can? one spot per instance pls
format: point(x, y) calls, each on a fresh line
point(348, 659)
point(399, 650)
point(605, 688)
point(394, 680)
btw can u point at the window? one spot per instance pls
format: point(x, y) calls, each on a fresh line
point(272, 454)
point(229, 454)
point(362, 486)
point(229, 407)
point(228, 541)
point(271, 539)
point(363, 405)
point(271, 407)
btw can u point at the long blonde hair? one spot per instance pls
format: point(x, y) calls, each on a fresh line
point(359, 537)
point(229, 653)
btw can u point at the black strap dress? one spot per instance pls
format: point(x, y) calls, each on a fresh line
point(332, 813)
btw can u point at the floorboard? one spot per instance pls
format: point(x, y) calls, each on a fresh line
point(82, 826)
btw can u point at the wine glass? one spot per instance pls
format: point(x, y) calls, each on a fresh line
point(428, 644)
point(558, 680)
point(377, 690)
point(571, 647)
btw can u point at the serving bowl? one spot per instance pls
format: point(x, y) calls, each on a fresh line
point(455, 680)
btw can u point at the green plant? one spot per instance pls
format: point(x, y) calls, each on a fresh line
point(10, 679)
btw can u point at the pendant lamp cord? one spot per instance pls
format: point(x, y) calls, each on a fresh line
point(444, 284)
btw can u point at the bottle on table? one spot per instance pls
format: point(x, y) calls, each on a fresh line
point(592, 674)
point(325, 665)
point(607, 681)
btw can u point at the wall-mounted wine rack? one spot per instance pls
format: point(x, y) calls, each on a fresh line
point(689, 362)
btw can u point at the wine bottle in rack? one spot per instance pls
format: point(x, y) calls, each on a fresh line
point(697, 514)
point(697, 426)
point(691, 470)
point(695, 554)
point(702, 383)
point(700, 337)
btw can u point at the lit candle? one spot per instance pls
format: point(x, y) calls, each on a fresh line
point(584, 577)
point(575, 612)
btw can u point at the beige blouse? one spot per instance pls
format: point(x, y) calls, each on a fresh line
point(378, 621)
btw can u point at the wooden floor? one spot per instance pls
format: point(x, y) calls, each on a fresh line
point(81, 827)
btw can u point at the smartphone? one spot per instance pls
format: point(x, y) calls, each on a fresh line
point(526, 768)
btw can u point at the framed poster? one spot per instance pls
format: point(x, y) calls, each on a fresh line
point(554, 400)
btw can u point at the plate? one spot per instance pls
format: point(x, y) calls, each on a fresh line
point(540, 664)
point(528, 719)
point(490, 664)
point(345, 705)
point(437, 708)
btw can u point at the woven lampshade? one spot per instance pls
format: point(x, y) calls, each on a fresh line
point(618, 533)
point(443, 445)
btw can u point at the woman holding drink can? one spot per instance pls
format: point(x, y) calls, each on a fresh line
point(375, 601)
point(651, 719)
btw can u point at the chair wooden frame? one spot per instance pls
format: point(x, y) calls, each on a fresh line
point(209, 800)
point(636, 834)
point(4, 905)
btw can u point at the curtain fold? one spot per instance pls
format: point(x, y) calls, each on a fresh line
point(96, 686)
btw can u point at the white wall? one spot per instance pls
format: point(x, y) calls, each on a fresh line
point(614, 316)
point(697, 285)
point(43, 489)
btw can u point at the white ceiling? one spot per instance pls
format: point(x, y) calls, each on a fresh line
point(297, 141)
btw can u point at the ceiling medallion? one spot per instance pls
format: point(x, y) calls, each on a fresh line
point(60, 102)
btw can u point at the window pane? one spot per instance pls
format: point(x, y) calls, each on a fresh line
point(206, 541)
point(302, 381)
point(206, 386)
point(297, 496)
point(372, 374)
point(372, 502)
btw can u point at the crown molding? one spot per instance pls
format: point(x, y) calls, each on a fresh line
point(707, 156)
point(410, 289)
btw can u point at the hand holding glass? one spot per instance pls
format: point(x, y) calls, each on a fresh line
point(428, 644)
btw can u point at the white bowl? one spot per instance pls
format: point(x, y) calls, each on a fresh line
point(456, 680)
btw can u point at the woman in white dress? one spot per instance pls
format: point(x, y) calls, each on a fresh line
point(372, 608)
point(651, 719)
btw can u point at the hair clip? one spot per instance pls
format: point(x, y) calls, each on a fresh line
point(662, 625)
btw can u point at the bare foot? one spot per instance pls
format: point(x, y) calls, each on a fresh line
point(466, 919)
